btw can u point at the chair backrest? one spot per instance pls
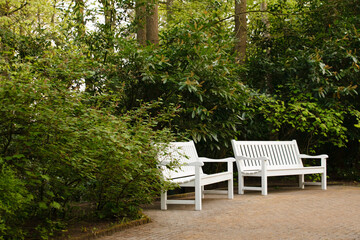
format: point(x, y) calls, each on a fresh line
point(183, 152)
point(281, 154)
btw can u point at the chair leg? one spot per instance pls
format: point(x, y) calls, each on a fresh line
point(163, 200)
point(301, 181)
point(203, 192)
point(241, 184)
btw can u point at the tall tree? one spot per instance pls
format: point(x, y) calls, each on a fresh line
point(109, 14)
point(147, 15)
point(264, 18)
point(79, 11)
point(141, 21)
point(240, 29)
point(152, 23)
point(169, 10)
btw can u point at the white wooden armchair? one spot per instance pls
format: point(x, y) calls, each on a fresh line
point(190, 173)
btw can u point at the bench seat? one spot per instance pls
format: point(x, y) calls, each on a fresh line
point(285, 171)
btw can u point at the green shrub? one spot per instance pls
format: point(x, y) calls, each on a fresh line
point(67, 146)
point(14, 199)
point(308, 68)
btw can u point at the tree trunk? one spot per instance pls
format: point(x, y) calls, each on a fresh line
point(240, 29)
point(79, 8)
point(109, 14)
point(147, 22)
point(169, 11)
point(141, 22)
point(112, 15)
point(265, 18)
point(39, 19)
point(152, 23)
point(105, 4)
point(53, 16)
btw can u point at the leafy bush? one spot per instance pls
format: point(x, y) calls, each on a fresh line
point(308, 64)
point(193, 69)
point(14, 199)
point(63, 148)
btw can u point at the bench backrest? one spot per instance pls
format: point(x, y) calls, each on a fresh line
point(281, 154)
point(183, 152)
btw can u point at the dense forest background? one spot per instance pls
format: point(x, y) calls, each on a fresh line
point(87, 89)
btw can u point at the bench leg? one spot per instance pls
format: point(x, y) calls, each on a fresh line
point(230, 189)
point(264, 185)
point(241, 184)
point(323, 175)
point(163, 200)
point(198, 198)
point(323, 181)
point(198, 190)
point(301, 181)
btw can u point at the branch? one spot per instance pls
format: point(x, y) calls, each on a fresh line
point(15, 10)
point(255, 11)
point(9, 139)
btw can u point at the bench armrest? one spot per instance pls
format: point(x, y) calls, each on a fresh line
point(205, 159)
point(228, 160)
point(164, 163)
point(200, 163)
point(264, 161)
point(196, 164)
point(323, 158)
point(317, 156)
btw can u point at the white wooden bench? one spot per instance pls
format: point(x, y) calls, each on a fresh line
point(190, 173)
point(274, 158)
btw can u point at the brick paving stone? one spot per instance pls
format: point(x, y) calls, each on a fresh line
point(286, 213)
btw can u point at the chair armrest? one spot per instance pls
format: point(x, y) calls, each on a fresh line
point(205, 159)
point(316, 156)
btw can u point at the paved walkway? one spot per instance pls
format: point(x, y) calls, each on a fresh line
point(286, 213)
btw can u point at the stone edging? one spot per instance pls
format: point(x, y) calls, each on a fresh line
point(116, 228)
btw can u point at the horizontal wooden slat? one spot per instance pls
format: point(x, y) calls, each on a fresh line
point(285, 172)
point(180, 201)
point(312, 183)
point(252, 188)
point(216, 191)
